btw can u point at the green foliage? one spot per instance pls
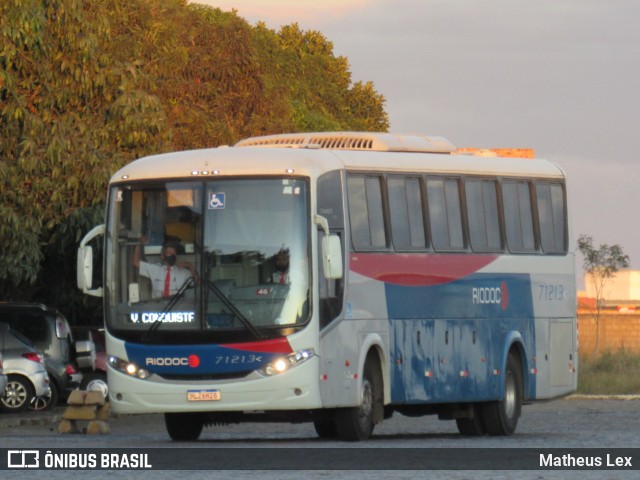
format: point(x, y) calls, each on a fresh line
point(612, 373)
point(312, 85)
point(70, 116)
point(86, 86)
point(60, 262)
point(603, 261)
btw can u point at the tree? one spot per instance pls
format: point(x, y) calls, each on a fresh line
point(601, 264)
point(87, 86)
point(71, 113)
point(313, 87)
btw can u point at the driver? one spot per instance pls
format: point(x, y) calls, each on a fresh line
point(168, 277)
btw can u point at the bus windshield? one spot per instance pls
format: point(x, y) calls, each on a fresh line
point(217, 256)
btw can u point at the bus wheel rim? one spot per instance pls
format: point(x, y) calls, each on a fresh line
point(510, 396)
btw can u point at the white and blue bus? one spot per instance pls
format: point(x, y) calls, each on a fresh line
point(419, 281)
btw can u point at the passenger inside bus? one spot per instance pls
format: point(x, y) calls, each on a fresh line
point(281, 262)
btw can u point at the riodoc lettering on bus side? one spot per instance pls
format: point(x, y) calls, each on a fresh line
point(491, 295)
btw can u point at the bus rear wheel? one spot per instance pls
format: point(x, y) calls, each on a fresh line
point(356, 423)
point(501, 417)
point(184, 427)
point(472, 426)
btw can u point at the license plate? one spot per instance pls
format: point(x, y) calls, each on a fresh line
point(203, 395)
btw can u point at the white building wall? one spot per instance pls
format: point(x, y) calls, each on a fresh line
point(623, 286)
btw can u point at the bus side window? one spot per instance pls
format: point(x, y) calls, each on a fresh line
point(551, 217)
point(407, 215)
point(518, 216)
point(330, 292)
point(445, 214)
point(484, 218)
point(366, 213)
point(330, 205)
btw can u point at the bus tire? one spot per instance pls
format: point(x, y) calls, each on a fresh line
point(501, 417)
point(184, 427)
point(326, 428)
point(356, 423)
point(472, 426)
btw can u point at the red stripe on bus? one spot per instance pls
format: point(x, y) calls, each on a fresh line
point(276, 345)
point(418, 269)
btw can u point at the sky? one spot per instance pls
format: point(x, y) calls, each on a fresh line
point(559, 76)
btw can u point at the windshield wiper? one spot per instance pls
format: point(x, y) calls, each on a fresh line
point(229, 304)
point(175, 299)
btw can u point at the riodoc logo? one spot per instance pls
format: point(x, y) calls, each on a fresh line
point(192, 361)
point(491, 295)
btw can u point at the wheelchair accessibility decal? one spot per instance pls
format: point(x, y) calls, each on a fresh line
point(216, 201)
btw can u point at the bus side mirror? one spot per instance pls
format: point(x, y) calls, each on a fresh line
point(85, 263)
point(332, 257)
point(331, 250)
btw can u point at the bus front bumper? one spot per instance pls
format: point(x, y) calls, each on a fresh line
point(296, 389)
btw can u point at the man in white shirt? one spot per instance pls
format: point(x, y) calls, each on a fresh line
point(167, 278)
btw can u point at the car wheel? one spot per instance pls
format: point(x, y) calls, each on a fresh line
point(17, 394)
point(46, 401)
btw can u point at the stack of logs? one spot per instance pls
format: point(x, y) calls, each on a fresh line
point(87, 412)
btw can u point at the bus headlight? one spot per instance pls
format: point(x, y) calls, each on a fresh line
point(282, 364)
point(129, 368)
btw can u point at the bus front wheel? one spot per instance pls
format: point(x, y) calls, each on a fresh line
point(356, 423)
point(501, 417)
point(184, 427)
point(325, 429)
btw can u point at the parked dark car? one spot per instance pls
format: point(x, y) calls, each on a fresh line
point(49, 330)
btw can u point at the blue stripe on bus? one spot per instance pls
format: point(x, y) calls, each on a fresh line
point(198, 359)
point(449, 341)
point(481, 295)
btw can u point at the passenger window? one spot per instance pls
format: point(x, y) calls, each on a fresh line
point(482, 208)
point(445, 214)
point(518, 216)
point(407, 216)
point(366, 212)
point(551, 215)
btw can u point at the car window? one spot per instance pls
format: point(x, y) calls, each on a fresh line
point(15, 339)
point(33, 326)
